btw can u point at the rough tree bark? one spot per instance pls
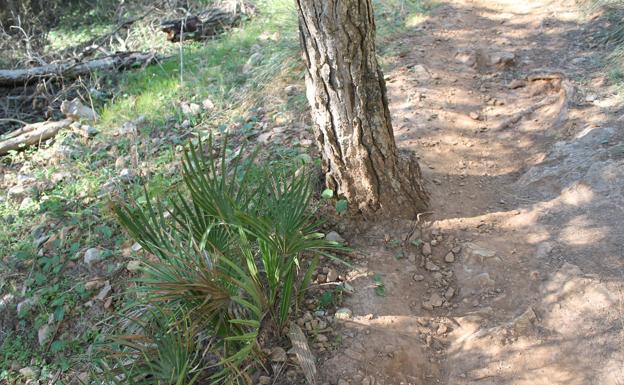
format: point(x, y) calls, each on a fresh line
point(347, 94)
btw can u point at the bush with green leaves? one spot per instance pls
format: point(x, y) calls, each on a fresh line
point(231, 253)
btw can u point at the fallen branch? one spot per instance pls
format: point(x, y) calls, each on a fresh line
point(207, 24)
point(119, 61)
point(31, 134)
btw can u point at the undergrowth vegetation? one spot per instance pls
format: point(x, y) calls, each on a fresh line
point(226, 267)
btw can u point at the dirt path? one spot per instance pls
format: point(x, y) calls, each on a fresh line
point(519, 278)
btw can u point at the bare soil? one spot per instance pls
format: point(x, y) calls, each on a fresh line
point(520, 141)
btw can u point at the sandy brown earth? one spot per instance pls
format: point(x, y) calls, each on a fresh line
point(521, 142)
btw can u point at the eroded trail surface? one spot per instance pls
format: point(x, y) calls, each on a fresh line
point(517, 276)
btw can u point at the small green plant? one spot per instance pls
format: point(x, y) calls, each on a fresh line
point(380, 288)
point(227, 251)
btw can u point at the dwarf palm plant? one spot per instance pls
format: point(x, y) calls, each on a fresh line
point(227, 250)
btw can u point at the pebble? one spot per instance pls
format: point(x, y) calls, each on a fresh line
point(264, 380)
point(450, 292)
point(450, 257)
point(343, 382)
point(516, 83)
point(475, 115)
point(436, 300)
point(431, 266)
point(92, 255)
point(208, 104)
point(368, 380)
point(278, 354)
point(333, 236)
point(104, 292)
point(133, 266)
point(418, 277)
point(94, 284)
point(442, 329)
point(343, 314)
point(321, 278)
point(44, 334)
point(426, 249)
point(332, 275)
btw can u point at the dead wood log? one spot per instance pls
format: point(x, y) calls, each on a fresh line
point(118, 61)
point(206, 24)
point(31, 134)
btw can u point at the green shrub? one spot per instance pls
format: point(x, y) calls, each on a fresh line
point(227, 252)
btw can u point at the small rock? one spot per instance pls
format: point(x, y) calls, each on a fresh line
point(450, 292)
point(75, 110)
point(450, 257)
point(264, 380)
point(126, 175)
point(87, 131)
point(418, 277)
point(333, 236)
point(190, 109)
point(343, 382)
point(516, 83)
point(484, 280)
point(6, 300)
point(26, 203)
point(253, 60)
point(133, 266)
point(343, 314)
point(120, 163)
point(321, 278)
point(524, 321)
point(456, 249)
point(332, 275)
point(60, 176)
point(127, 128)
point(436, 300)
point(24, 307)
point(502, 59)
point(16, 193)
point(475, 115)
point(427, 305)
point(368, 380)
point(321, 338)
point(426, 249)
point(442, 329)
point(94, 284)
point(104, 291)
point(431, 266)
point(290, 90)
point(92, 255)
point(30, 372)
point(44, 334)
point(278, 355)
point(208, 105)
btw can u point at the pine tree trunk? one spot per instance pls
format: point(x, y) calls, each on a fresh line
point(347, 94)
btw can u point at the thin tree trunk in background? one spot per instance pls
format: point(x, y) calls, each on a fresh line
point(347, 94)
